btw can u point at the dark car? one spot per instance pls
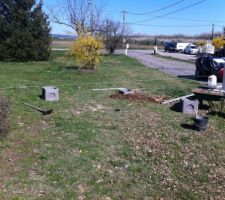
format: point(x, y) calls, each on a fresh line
point(170, 46)
point(209, 65)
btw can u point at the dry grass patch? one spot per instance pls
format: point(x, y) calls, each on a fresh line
point(4, 116)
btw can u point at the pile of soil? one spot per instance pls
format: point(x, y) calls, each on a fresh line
point(140, 97)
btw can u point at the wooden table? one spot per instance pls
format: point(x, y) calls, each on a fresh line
point(210, 96)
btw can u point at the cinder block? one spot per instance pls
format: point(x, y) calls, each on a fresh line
point(189, 106)
point(126, 91)
point(50, 93)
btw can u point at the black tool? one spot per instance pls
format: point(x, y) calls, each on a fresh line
point(42, 111)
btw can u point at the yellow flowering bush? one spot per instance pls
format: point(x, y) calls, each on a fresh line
point(218, 42)
point(85, 52)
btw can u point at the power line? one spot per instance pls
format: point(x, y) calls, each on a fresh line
point(194, 20)
point(179, 19)
point(156, 25)
point(112, 11)
point(173, 18)
point(170, 13)
point(158, 10)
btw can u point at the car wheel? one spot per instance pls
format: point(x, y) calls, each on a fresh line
point(197, 73)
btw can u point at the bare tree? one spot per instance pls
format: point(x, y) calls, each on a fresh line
point(82, 16)
point(113, 35)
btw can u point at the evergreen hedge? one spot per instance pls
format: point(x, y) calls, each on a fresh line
point(24, 32)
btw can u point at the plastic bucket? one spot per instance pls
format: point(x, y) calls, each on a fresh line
point(212, 81)
point(201, 123)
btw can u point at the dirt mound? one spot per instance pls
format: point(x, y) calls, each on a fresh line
point(140, 97)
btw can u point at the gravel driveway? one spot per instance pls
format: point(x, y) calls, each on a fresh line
point(174, 67)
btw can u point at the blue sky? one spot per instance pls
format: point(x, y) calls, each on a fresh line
point(195, 20)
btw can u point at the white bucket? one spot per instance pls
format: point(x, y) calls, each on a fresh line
point(212, 81)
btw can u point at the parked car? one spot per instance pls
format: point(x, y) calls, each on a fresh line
point(209, 65)
point(191, 49)
point(181, 46)
point(170, 46)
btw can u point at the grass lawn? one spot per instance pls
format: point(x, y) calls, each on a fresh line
point(86, 150)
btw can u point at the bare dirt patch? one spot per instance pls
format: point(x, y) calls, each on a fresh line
point(140, 97)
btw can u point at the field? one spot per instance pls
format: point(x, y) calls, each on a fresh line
point(96, 147)
point(64, 44)
point(61, 44)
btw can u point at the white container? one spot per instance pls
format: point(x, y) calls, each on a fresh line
point(212, 81)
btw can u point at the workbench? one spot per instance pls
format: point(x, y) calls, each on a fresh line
point(210, 95)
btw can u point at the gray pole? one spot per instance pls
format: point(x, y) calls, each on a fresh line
point(124, 18)
point(91, 17)
point(213, 31)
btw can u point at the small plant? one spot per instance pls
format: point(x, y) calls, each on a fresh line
point(4, 116)
point(85, 52)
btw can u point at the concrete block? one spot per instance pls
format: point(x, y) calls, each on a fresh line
point(125, 91)
point(189, 106)
point(50, 93)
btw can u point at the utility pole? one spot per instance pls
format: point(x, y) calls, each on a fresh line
point(107, 29)
point(213, 25)
point(91, 17)
point(124, 19)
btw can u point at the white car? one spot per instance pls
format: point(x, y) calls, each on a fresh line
point(181, 46)
point(191, 49)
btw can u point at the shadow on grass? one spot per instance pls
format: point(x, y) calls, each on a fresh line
point(76, 69)
point(176, 107)
point(73, 68)
point(190, 77)
point(112, 54)
point(189, 127)
point(219, 113)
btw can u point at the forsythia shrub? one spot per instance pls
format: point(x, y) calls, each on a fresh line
point(218, 42)
point(85, 52)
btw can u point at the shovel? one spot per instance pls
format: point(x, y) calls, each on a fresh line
point(43, 112)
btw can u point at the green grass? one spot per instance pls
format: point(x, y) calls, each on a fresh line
point(87, 150)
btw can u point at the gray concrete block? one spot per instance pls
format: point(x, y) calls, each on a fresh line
point(126, 91)
point(50, 93)
point(189, 106)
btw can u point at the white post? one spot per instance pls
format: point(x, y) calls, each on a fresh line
point(223, 86)
point(126, 49)
point(155, 49)
point(126, 52)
